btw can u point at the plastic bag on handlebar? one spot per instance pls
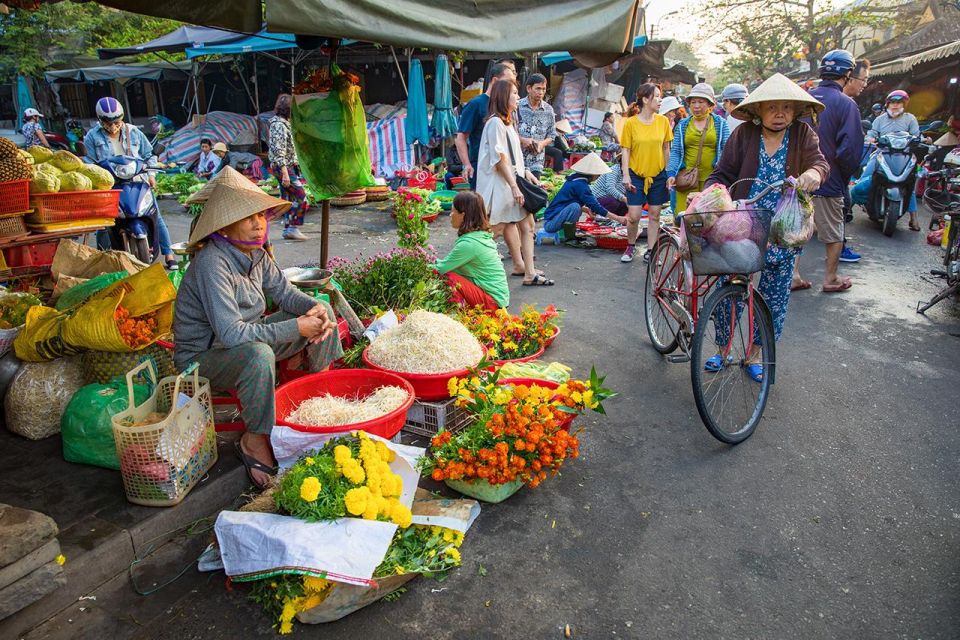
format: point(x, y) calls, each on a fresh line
point(792, 224)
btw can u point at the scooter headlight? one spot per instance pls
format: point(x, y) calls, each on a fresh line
point(898, 143)
point(125, 171)
point(146, 204)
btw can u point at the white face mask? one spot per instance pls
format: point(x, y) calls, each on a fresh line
point(894, 110)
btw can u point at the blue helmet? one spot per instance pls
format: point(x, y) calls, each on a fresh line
point(837, 63)
point(109, 109)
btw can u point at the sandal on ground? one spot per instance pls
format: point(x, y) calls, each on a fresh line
point(539, 281)
point(522, 274)
point(252, 464)
point(713, 364)
point(803, 284)
point(755, 371)
point(837, 288)
point(914, 225)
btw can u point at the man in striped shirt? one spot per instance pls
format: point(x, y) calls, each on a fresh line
point(609, 192)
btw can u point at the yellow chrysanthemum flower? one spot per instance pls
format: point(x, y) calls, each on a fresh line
point(452, 386)
point(448, 535)
point(502, 396)
point(286, 626)
point(315, 584)
point(400, 515)
point(372, 510)
point(308, 460)
point(353, 472)
point(399, 570)
point(386, 453)
point(341, 454)
point(577, 397)
point(356, 500)
point(61, 559)
point(310, 488)
point(453, 554)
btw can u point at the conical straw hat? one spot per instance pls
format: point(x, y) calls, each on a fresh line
point(778, 87)
point(563, 126)
point(591, 165)
point(229, 198)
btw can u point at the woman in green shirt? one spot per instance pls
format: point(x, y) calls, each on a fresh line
point(473, 267)
point(701, 126)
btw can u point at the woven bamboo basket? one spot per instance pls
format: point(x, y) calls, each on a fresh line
point(13, 226)
point(349, 199)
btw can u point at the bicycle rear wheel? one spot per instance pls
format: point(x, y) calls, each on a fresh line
point(664, 280)
point(729, 401)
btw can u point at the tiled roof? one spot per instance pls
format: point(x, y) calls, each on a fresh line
point(943, 29)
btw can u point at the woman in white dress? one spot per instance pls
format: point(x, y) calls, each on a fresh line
point(500, 162)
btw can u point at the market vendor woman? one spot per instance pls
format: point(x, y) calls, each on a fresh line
point(219, 316)
point(473, 267)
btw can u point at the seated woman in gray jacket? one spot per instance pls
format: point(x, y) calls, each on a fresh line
point(219, 315)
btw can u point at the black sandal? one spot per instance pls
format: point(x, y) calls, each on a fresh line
point(539, 281)
point(252, 464)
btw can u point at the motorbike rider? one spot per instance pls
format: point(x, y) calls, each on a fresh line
point(875, 111)
point(894, 120)
point(32, 130)
point(113, 137)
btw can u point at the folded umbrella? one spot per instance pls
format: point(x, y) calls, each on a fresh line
point(444, 123)
point(416, 126)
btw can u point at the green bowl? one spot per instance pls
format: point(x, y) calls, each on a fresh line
point(446, 205)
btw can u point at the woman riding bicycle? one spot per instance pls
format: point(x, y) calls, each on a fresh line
point(772, 145)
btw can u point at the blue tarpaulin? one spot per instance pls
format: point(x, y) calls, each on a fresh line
point(416, 127)
point(444, 122)
point(263, 41)
point(562, 56)
point(24, 96)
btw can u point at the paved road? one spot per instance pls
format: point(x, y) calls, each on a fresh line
point(840, 518)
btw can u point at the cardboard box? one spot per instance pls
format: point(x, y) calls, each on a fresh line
point(595, 118)
point(611, 93)
point(605, 105)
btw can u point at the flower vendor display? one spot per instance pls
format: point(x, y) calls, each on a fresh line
point(510, 337)
point(517, 436)
point(336, 531)
point(399, 279)
point(412, 207)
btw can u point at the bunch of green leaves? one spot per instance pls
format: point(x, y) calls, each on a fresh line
point(353, 357)
point(320, 464)
point(271, 593)
point(399, 279)
point(14, 307)
point(178, 183)
point(429, 551)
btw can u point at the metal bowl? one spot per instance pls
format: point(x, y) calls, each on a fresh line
point(309, 278)
point(180, 248)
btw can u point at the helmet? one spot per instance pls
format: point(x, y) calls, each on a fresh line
point(109, 109)
point(838, 63)
point(734, 92)
point(876, 107)
point(898, 95)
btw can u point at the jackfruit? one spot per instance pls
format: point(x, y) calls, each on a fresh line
point(66, 161)
point(47, 168)
point(99, 176)
point(75, 181)
point(7, 148)
point(44, 182)
point(26, 156)
point(40, 154)
point(14, 168)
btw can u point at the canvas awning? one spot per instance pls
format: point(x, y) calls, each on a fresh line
point(263, 41)
point(119, 72)
point(177, 40)
point(607, 26)
point(904, 65)
point(555, 57)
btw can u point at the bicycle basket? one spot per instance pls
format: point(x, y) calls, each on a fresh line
point(727, 242)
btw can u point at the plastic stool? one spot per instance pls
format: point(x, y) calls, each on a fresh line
point(543, 233)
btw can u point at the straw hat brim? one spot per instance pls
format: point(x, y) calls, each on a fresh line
point(563, 126)
point(591, 165)
point(220, 147)
point(778, 87)
point(231, 199)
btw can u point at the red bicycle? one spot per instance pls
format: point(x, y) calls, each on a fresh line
point(706, 306)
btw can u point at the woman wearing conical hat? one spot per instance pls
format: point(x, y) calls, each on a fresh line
point(772, 145)
point(219, 315)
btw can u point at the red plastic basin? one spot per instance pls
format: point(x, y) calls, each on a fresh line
point(427, 386)
point(530, 358)
point(348, 383)
point(556, 334)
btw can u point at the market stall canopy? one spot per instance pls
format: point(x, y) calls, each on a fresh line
point(181, 39)
point(550, 59)
point(263, 41)
point(120, 72)
point(481, 25)
point(904, 65)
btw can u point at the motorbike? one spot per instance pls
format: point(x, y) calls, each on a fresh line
point(136, 230)
point(893, 179)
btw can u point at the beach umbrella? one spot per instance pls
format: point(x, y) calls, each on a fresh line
point(444, 122)
point(415, 126)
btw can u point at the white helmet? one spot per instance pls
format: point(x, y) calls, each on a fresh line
point(109, 109)
point(953, 158)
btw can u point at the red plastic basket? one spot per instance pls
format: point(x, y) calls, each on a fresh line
point(14, 196)
point(39, 254)
point(546, 384)
point(74, 205)
point(428, 386)
point(348, 383)
point(530, 358)
point(612, 242)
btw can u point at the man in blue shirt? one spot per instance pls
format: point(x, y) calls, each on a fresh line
point(841, 142)
point(575, 194)
point(472, 119)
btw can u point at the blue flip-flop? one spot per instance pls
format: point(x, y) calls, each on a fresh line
point(713, 364)
point(755, 371)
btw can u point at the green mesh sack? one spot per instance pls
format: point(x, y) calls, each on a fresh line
point(86, 426)
point(82, 292)
point(330, 135)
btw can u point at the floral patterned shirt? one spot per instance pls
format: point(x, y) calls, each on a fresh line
point(538, 124)
point(29, 132)
point(772, 169)
point(282, 151)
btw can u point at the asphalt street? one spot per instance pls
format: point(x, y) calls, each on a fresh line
point(839, 518)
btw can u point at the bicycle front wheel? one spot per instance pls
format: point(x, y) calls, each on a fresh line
point(664, 280)
point(729, 400)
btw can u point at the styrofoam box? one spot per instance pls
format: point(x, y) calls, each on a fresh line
point(612, 93)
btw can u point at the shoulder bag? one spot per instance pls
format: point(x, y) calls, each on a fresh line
point(534, 197)
point(689, 178)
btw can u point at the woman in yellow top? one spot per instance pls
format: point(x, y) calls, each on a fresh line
point(646, 147)
point(711, 128)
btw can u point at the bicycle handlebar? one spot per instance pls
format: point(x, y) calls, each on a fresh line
point(776, 185)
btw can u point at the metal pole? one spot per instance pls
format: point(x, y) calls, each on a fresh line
point(324, 233)
point(161, 107)
point(399, 70)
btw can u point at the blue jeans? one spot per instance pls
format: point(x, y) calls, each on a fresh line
point(569, 213)
point(861, 190)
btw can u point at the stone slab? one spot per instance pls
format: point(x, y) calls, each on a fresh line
point(28, 563)
point(31, 588)
point(23, 531)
